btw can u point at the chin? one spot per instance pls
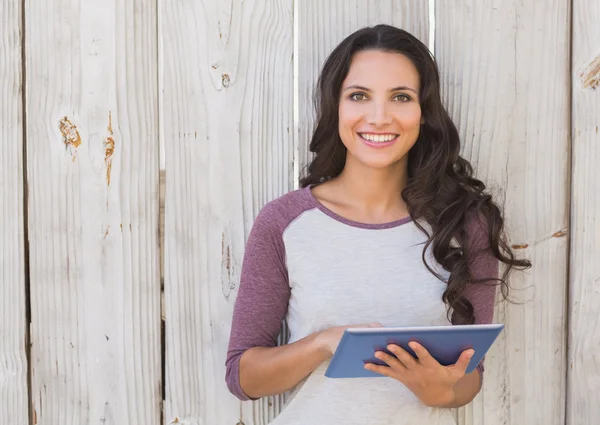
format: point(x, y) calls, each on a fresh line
point(378, 164)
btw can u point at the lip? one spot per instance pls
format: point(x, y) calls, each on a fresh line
point(378, 144)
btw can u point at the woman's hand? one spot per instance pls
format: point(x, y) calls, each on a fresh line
point(431, 382)
point(329, 339)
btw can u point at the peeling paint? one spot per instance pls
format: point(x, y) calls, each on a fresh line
point(560, 233)
point(109, 149)
point(522, 246)
point(590, 75)
point(176, 421)
point(106, 233)
point(70, 134)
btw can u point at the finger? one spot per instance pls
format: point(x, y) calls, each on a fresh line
point(382, 370)
point(391, 361)
point(375, 325)
point(423, 355)
point(404, 356)
point(463, 362)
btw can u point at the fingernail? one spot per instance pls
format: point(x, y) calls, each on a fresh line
point(470, 354)
point(412, 345)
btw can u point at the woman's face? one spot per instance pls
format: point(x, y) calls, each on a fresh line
point(379, 112)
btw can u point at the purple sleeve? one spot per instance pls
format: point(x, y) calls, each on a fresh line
point(263, 295)
point(483, 265)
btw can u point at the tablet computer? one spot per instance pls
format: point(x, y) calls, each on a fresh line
point(444, 343)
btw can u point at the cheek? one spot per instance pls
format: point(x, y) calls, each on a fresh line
point(410, 117)
point(349, 115)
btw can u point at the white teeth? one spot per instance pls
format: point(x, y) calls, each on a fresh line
point(378, 138)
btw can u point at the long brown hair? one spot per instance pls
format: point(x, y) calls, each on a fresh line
point(441, 188)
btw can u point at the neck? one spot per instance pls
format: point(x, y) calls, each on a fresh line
point(375, 190)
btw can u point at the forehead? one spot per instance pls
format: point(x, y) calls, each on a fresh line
point(382, 70)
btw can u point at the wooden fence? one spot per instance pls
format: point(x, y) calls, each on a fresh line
point(104, 322)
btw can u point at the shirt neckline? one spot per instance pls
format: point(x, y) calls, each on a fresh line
point(352, 223)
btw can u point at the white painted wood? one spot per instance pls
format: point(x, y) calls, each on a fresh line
point(13, 324)
point(583, 379)
point(505, 77)
point(322, 26)
point(92, 156)
point(226, 87)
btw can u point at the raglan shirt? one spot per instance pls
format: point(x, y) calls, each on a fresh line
point(315, 269)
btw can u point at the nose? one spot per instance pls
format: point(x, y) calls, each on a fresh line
point(378, 114)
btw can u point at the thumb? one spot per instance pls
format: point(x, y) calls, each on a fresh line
point(464, 360)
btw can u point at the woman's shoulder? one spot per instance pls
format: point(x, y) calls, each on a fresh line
point(278, 213)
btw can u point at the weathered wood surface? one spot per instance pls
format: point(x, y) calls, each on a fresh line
point(13, 322)
point(322, 26)
point(505, 78)
point(227, 98)
point(583, 379)
point(223, 77)
point(92, 156)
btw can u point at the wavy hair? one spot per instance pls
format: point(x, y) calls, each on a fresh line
point(441, 188)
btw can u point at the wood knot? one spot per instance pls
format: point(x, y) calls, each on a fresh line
point(225, 80)
point(70, 134)
point(522, 246)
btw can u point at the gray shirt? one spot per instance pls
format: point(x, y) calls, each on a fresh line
point(315, 269)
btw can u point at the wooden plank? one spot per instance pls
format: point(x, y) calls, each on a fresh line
point(322, 26)
point(13, 324)
point(92, 155)
point(227, 90)
point(583, 380)
point(505, 79)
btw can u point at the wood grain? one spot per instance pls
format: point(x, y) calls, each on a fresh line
point(226, 87)
point(13, 321)
point(505, 78)
point(583, 379)
point(92, 155)
point(322, 26)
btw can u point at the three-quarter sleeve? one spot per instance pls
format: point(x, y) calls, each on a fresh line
point(484, 267)
point(263, 295)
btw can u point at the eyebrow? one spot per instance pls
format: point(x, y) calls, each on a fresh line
point(391, 90)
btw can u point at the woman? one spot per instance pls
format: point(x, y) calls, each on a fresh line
point(389, 228)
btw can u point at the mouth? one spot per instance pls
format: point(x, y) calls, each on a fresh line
point(379, 139)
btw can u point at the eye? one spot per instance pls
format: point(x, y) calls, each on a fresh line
point(358, 96)
point(402, 97)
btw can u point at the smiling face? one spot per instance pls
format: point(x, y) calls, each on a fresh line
point(379, 110)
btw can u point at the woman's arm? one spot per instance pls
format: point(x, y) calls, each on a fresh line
point(261, 304)
point(449, 386)
point(483, 265)
point(255, 366)
point(273, 370)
